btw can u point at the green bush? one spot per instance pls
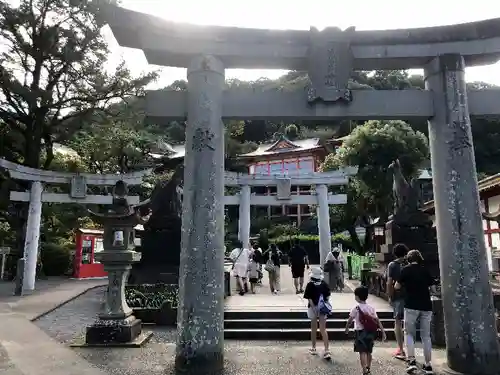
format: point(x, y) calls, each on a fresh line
point(310, 244)
point(56, 259)
point(151, 296)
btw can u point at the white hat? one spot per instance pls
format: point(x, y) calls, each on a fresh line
point(316, 273)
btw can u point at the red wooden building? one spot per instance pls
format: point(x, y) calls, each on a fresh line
point(287, 156)
point(489, 195)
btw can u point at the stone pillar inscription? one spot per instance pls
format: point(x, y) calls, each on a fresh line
point(244, 211)
point(471, 335)
point(325, 242)
point(200, 319)
point(32, 236)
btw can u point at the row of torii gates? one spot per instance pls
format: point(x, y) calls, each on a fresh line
point(79, 182)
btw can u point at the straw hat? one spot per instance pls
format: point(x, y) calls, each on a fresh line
point(317, 273)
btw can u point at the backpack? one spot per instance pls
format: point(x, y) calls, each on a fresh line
point(398, 294)
point(369, 322)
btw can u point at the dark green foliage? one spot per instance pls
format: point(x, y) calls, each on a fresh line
point(56, 259)
point(151, 296)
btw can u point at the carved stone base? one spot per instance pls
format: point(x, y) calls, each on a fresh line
point(113, 331)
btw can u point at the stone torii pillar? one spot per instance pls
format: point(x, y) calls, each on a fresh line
point(325, 242)
point(244, 214)
point(469, 315)
point(200, 316)
point(31, 242)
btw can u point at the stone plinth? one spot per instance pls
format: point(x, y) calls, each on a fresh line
point(114, 331)
point(415, 231)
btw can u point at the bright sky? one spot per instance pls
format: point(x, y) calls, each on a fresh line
point(281, 14)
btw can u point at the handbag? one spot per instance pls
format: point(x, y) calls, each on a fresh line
point(324, 306)
point(269, 266)
point(238, 257)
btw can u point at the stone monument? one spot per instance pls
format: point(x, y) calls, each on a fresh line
point(161, 239)
point(116, 325)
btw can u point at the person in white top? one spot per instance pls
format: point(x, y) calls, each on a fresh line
point(334, 267)
point(366, 325)
point(240, 257)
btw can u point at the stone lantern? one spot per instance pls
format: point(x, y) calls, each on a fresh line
point(115, 324)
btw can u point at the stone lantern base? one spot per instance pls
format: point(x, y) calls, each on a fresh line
point(109, 332)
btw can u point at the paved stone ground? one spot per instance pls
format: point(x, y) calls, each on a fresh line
point(48, 295)
point(247, 358)
point(287, 300)
point(41, 348)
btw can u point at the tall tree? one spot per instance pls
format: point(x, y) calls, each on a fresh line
point(372, 147)
point(52, 74)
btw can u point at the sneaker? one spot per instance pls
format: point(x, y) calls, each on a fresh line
point(400, 354)
point(313, 351)
point(412, 366)
point(297, 291)
point(427, 369)
point(327, 355)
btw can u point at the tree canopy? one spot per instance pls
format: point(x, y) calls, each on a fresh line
point(372, 147)
point(53, 76)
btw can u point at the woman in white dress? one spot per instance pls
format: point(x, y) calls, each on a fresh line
point(240, 256)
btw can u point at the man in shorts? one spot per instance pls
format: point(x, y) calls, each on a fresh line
point(396, 297)
point(298, 261)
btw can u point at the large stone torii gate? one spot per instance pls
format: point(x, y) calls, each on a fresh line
point(329, 57)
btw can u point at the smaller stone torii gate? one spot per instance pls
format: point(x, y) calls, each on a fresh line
point(78, 194)
point(244, 199)
point(330, 57)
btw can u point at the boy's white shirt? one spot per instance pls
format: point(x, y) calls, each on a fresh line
point(367, 309)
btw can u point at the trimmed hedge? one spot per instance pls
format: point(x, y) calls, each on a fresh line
point(309, 242)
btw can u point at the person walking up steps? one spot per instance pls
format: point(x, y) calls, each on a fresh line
point(253, 272)
point(416, 281)
point(298, 261)
point(396, 296)
point(240, 257)
point(317, 293)
point(366, 325)
point(272, 266)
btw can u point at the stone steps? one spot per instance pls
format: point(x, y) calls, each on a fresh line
point(289, 325)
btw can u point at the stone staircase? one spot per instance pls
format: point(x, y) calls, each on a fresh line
point(289, 325)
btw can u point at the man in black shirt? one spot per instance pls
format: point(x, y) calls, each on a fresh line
point(416, 281)
point(298, 261)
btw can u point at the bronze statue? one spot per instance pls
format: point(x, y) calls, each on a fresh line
point(406, 198)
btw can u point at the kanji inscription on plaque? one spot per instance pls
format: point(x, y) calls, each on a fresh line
point(460, 137)
point(330, 65)
point(203, 139)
